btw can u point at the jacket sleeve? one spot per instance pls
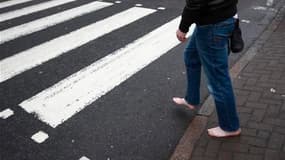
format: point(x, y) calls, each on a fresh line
point(191, 12)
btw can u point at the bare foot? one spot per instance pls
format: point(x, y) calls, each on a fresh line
point(218, 132)
point(182, 101)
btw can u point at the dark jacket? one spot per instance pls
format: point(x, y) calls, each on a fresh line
point(204, 12)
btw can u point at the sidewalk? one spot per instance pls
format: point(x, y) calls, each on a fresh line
point(260, 95)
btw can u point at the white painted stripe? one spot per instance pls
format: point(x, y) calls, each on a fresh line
point(161, 8)
point(12, 3)
point(37, 25)
point(269, 3)
point(245, 21)
point(6, 113)
point(262, 8)
point(11, 66)
point(32, 9)
point(61, 101)
point(40, 137)
point(84, 158)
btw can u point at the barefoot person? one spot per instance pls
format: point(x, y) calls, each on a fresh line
point(208, 47)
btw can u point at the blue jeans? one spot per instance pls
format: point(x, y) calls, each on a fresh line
point(208, 47)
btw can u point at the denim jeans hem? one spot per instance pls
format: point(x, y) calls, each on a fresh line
point(191, 102)
point(228, 130)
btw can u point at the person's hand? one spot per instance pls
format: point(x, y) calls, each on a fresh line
point(181, 36)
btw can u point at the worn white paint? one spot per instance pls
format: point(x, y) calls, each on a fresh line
point(161, 8)
point(6, 113)
point(245, 21)
point(32, 9)
point(40, 137)
point(14, 65)
point(269, 3)
point(262, 8)
point(63, 100)
point(84, 158)
point(12, 3)
point(37, 25)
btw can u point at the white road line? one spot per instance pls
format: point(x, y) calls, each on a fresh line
point(40, 137)
point(161, 8)
point(12, 3)
point(262, 8)
point(32, 9)
point(245, 21)
point(269, 3)
point(6, 113)
point(11, 66)
point(37, 25)
point(84, 158)
point(63, 100)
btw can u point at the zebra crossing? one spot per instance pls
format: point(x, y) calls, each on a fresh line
point(32, 9)
point(40, 24)
point(56, 104)
point(65, 43)
point(12, 2)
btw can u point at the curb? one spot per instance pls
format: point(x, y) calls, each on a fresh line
point(186, 145)
point(183, 150)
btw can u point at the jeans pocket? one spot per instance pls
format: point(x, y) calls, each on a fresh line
point(221, 34)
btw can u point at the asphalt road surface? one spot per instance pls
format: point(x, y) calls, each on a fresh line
point(83, 79)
